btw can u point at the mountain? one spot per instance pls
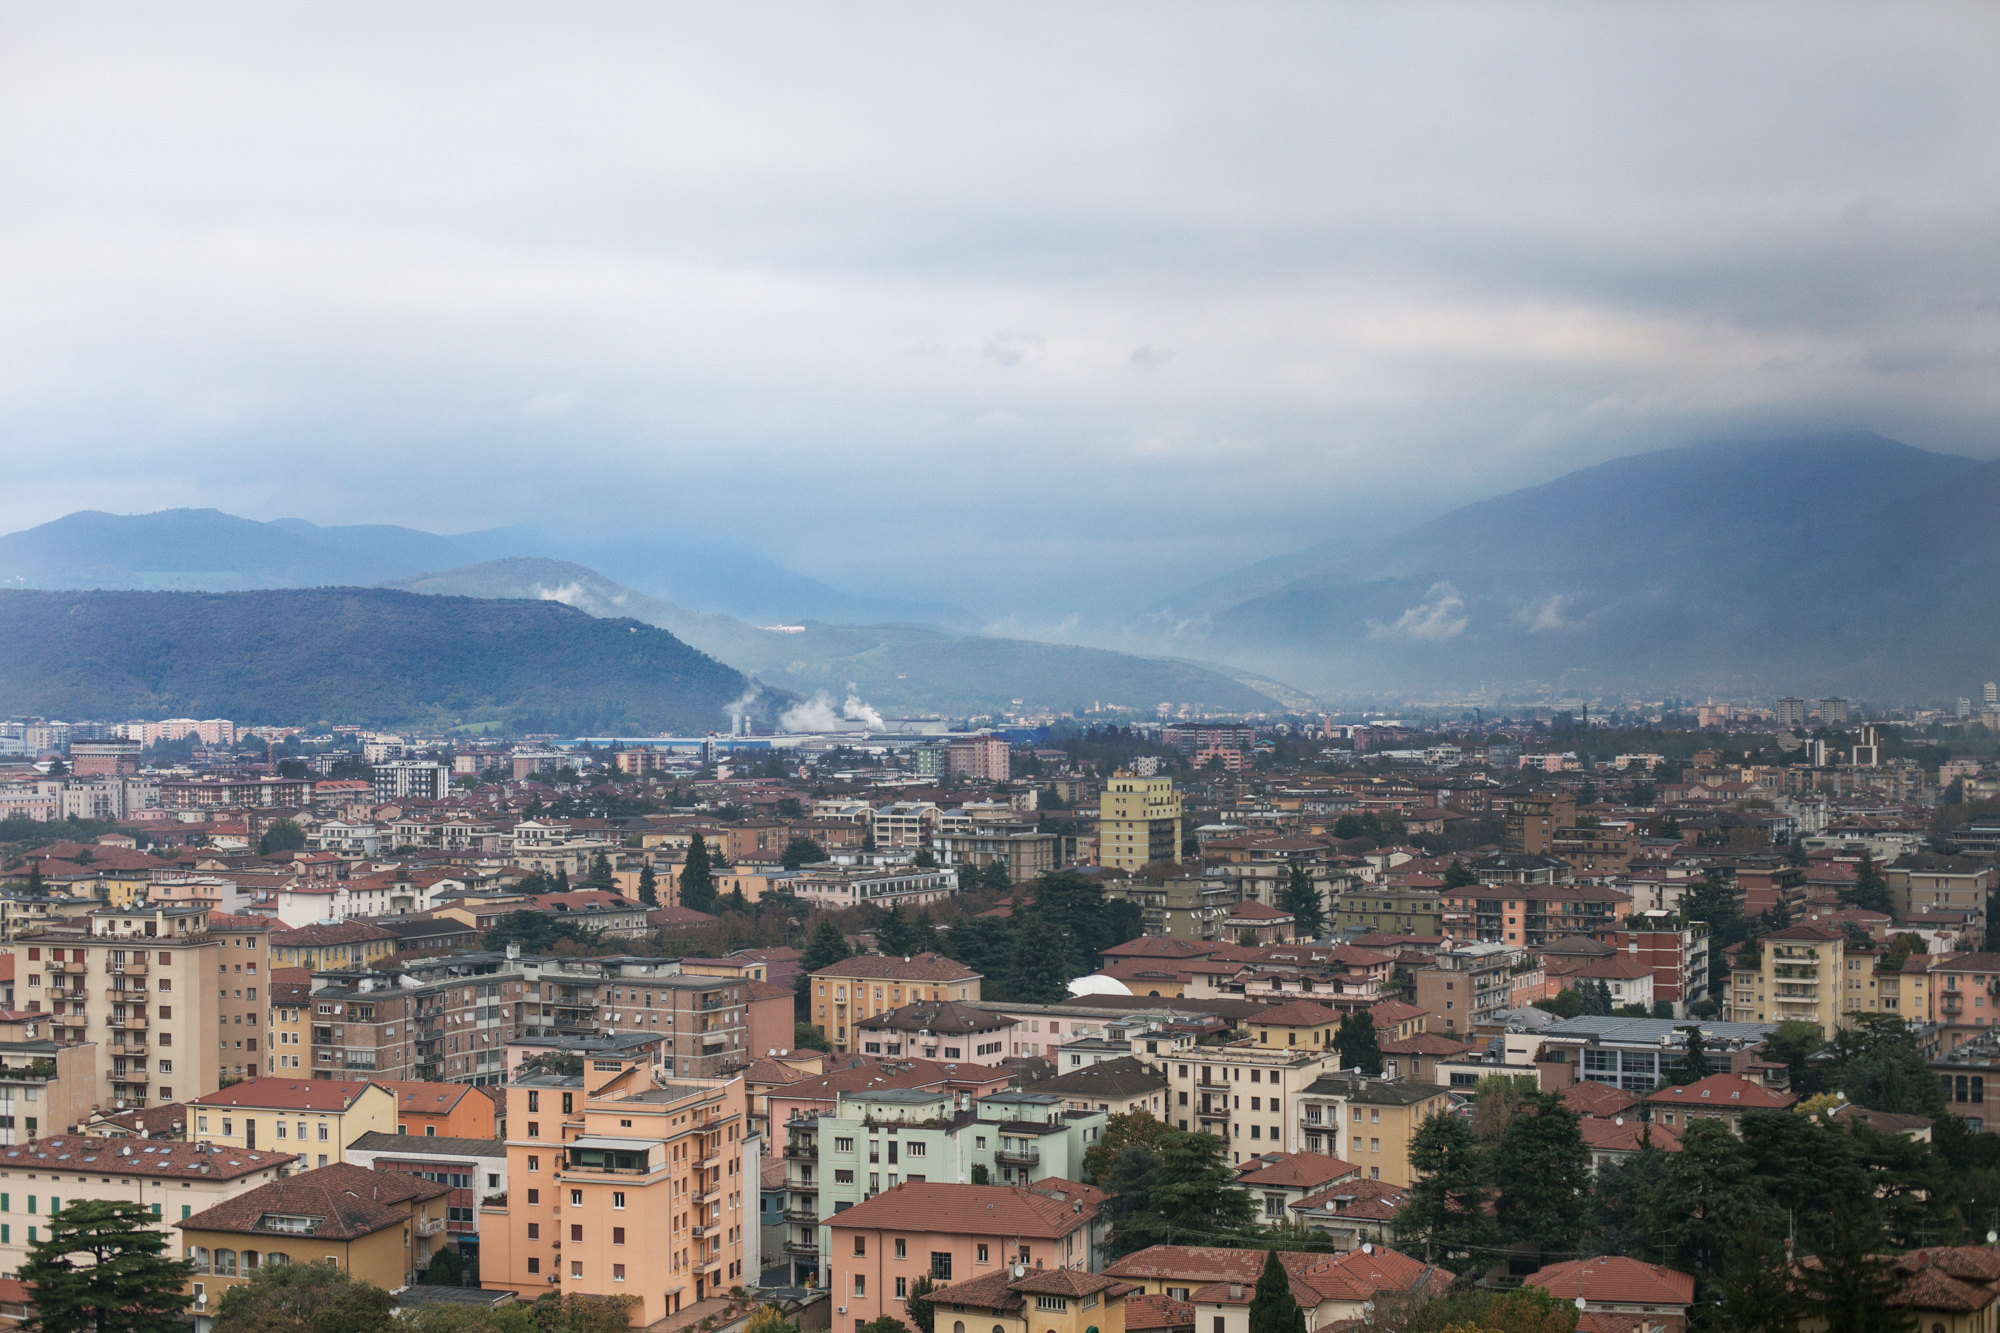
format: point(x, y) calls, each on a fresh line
point(210, 551)
point(1808, 565)
point(375, 657)
point(895, 668)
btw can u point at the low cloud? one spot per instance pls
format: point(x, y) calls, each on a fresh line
point(1547, 614)
point(819, 714)
point(1439, 617)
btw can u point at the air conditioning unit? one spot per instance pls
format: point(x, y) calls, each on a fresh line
point(555, 1277)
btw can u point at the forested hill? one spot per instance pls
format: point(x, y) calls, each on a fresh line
point(368, 656)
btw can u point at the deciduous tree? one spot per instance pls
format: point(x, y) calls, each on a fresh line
point(304, 1298)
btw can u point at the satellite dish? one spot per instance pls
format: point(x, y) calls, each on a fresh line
point(1366, 1248)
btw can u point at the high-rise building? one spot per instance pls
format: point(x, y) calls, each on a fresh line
point(1833, 712)
point(1791, 712)
point(1965, 708)
point(1992, 694)
point(1138, 821)
point(411, 779)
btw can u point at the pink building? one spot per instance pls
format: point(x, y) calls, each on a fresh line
point(937, 1030)
point(981, 757)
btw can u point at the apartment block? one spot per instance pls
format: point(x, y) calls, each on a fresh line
point(1138, 822)
point(1368, 1121)
point(1799, 972)
point(863, 987)
point(1408, 907)
point(1533, 818)
point(173, 1180)
point(619, 1187)
point(313, 1118)
point(1240, 1092)
point(1468, 985)
point(982, 758)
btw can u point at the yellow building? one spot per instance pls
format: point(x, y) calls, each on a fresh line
point(346, 944)
point(1058, 1300)
point(379, 1226)
point(1138, 822)
point(858, 988)
point(1800, 972)
point(315, 1118)
point(1300, 1023)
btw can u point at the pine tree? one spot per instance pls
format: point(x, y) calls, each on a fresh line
point(36, 888)
point(1459, 876)
point(897, 935)
point(697, 877)
point(649, 885)
point(1272, 1307)
point(1040, 973)
point(600, 872)
point(1855, 1279)
point(1869, 890)
point(1544, 1174)
point(1694, 1064)
point(128, 1284)
point(1445, 1209)
point(1301, 897)
point(1357, 1043)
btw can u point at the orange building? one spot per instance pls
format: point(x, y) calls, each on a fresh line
point(618, 1187)
point(442, 1110)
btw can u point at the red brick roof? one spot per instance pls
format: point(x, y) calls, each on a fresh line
point(431, 1098)
point(1617, 1280)
point(136, 1157)
point(286, 1094)
point(1598, 1099)
point(983, 1210)
point(1730, 1092)
point(344, 932)
point(1427, 1043)
point(917, 967)
point(350, 1201)
point(1157, 1312)
point(1297, 1014)
point(1619, 1134)
point(1367, 1200)
point(1299, 1170)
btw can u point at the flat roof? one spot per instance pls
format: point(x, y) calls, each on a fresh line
point(1654, 1031)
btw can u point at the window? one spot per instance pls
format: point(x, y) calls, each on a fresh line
point(861, 1245)
point(534, 1196)
point(982, 1254)
point(576, 1268)
point(843, 1145)
point(913, 1150)
point(534, 1163)
point(900, 1253)
point(575, 1233)
point(618, 1199)
point(534, 1101)
point(902, 1288)
point(534, 1231)
point(1051, 1303)
point(576, 1198)
point(534, 1265)
point(618, 1272)
point(617, 1236)
point(941, 1264)
point(860, 1284)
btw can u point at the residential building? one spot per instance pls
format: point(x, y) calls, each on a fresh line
point(1533, 817)
point(1467, 985)
point(1407, 906)
point(1331, 1289)
point(1367, 1121)
point(174, 1180)
point(379, 1227)
point(1533, 914)
point(1279, 1180)
point(980, 757)
point(955, 1233)
point(1245, 1093)
point(316, 1120)
point(1723, 1097)
point(1628, 980)
point(1139, 822)
point(936, 1030)
point(862, 987)
point(1181, 909)
point(328, 948)
point(620, 1186)
point(835, 887)
point(1791, 712)
point(1799, 972)
point(1058, 1300)
point(473, 1169)
point(451, 1110)
point(904, 824)
point(1930, 883)
point(1616, 1286)
point(411, 779)
point(1119, 1086)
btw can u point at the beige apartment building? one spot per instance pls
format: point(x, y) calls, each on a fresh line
point(140, 986)
point(1368, 1121)
point(1138, 822)
point(314, 1118)
point(859, 988)
point(619, 1187)
point(1244, 1093)
point(1800, 972)
point(174, 1180)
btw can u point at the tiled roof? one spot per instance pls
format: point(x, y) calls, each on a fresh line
point(435, 1098)
point(345, 932)
point(155, 1122)
point(1723, 1092)
point(1297, 1014)
point(428, 1145)
point(1598, 1099)
point(985, 1210)
point(942, 1016)
point(1622, 1135)
point(678, 916)
point(1127, 1076)
point(1807, 932)
point(765, 990)
point(1154, 946)
point(137, 1157)
point(1253, 910)
point(1157, 1312)
point(1616, 967)
point(917, 967)
point(1427, 1043)
point(1299, 1171)
point(286, 1094)
point(350, 1201)
point(1388, 1013)
point(1359, 1274)
point(1617, 1280)
point(1364, 1200)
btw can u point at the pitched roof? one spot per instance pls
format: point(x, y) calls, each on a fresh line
point(1366, 1200)
point(135, 1157)
point(434, 1098)
point(1359, 1274)
point(1127, 1076)
point(1297, 1014)
point(1723, 1091)
point(1427, 1043)
point(1598, 1099)
point(344, 932)
point(287, 1094)
point(1621, 1135)
point(153, 1122)
point(985, 1210)
point(1299, 1170)
point(1615, 1279)
point(1157, 1312)
point(349, 1201)
point(941, 1016)
point(1616, 967)
point(1807, 932)
point(916, 967)
point(428, 1145)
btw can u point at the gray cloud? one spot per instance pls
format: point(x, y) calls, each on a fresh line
point(459, 265)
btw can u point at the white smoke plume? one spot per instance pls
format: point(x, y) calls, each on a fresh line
point(739, 707)
point(818, 714)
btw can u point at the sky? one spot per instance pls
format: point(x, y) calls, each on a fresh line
point(1051, 310)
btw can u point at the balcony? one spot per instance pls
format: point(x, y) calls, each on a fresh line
point(700, 1229)
point(703, 1194)
point(805, 1217)
point(131, 1021)
point(802, 1151)
point(130, 1076)
point(136, 968)
point(130, 1046)
point(430, 1226)
point(127, 996)
point(69, 969)
point(1019, 1156)
point(805, 1249)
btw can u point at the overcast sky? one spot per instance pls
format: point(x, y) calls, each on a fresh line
point(1036, 307)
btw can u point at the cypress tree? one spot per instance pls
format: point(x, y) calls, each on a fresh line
point(698, 877)
point(1272, 1307)
point(649, 885)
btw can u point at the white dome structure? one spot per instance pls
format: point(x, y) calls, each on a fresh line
point(1098, 984)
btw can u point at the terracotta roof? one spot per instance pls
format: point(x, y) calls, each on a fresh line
point(1598, 1099)
point(1808, 932)
point(349, 1201)
point(1622, 1135)
point(917, 967)
point(1253, 910)
point(1299, 1170)
point(1723, 1091)
point(1615, 1279)
point(1427, 1043)
point(1388, 1013)
point(1297, 1014)
point(1161, 1312)
point(1359, 1274)
point(344, 932)
point(154, 1122)
point(944, 1016)
point(986, 1210)
point(765, 990)
point(435, 1098)
point(1153, 946)
point(1364, 1200)
point(1970, 1263)
point(1616, 967)
point(133, 1157)
point(1126, 1076)
point(1932, 1289)
point(286, 1094)
point(678, 916)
